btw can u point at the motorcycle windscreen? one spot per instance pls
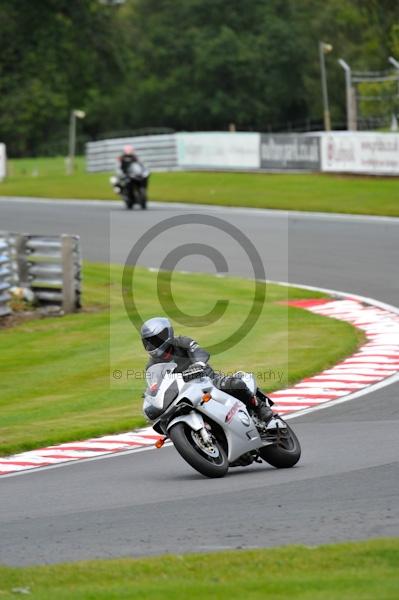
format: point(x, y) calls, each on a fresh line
point(155, 375)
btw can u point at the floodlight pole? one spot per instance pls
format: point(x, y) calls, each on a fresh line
point(395, 63)
point(350, 116)
point(324, 49)
point(80, 114)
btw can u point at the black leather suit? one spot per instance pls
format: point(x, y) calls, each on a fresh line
point(185, 351)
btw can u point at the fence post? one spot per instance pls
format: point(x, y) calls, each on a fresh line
point(21, 259)
point(70, 259)
point(5, 274)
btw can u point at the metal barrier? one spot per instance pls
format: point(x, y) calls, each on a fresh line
point(157, 152)
point(50, 266)
point(5, 274)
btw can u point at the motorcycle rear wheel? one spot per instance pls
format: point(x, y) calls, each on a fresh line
point(184, 440)
point(285, 453)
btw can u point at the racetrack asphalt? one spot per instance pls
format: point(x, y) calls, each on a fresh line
point(346, 485)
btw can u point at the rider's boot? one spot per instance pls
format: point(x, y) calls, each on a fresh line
point(262, 410)
point(259, 403)
point(265, 412)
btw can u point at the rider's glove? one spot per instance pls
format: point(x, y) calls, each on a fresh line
point(195, 370)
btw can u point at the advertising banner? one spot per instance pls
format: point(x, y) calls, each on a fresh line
point(290, 151)
point(3, 160)
point(218, 150)
point(361, 152)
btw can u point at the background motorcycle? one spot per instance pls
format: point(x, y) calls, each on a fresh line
point(210, 429)
point(132, 186)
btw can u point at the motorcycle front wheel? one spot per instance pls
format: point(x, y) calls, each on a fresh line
point(285, 453)
point(129, 201)
point(143, 198)
point(209, 460)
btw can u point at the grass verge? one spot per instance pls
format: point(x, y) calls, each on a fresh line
point(45, 177)
point(362, 570)
point(57, 379)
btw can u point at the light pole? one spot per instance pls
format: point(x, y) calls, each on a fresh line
point(350, 112)
point(75, 114)
point(325, 49)
point(395, 63)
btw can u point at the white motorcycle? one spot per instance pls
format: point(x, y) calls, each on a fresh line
point(210, 429)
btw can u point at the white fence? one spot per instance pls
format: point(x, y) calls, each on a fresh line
point(348, 152)
point(50, 266)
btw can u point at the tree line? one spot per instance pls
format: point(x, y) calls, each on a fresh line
point(179, 64)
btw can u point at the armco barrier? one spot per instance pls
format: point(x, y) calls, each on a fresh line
point(5, 274)
point(157, 152)
point(50, 266)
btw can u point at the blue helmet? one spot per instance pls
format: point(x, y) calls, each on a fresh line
point(157, 336)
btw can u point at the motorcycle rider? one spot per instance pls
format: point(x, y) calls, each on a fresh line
point(128, 157)
point(163, 346)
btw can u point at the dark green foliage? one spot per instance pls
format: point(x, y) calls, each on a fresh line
point(184, 64)
point(55, 55)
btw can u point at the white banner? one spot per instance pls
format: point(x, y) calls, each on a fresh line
point(360, 152)
point(3, 161)
point(220, 150)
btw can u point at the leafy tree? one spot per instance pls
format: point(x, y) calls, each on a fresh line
point(56, 55)
point(204, 64)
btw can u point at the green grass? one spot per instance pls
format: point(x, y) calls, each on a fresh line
point(362, 570)
point(45, 177)
point(57, 383)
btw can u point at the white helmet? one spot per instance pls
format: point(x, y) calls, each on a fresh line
point(157, 336)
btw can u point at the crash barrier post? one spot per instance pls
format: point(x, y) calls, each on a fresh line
point(5, 274)
point(49, 266)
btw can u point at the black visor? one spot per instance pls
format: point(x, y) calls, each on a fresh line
point(155, 341)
